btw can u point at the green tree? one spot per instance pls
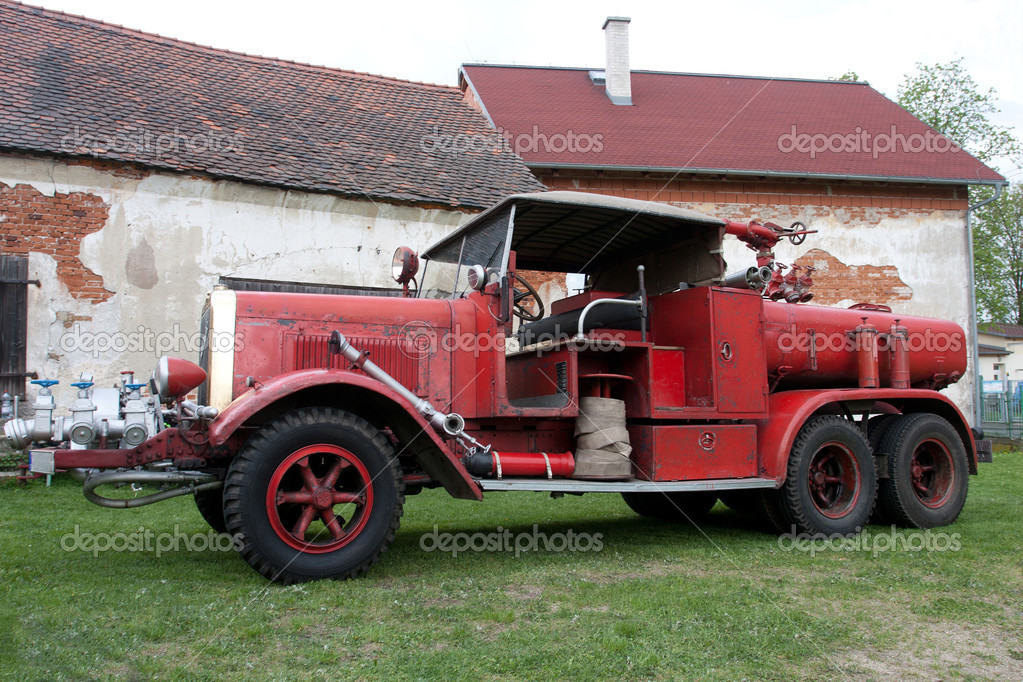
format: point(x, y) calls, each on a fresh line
point(998, 258)
point(945, 97)
point(848, 76)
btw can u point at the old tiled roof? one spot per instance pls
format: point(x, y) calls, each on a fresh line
point(715, 123)
point(1011, 331)
point(74, 86)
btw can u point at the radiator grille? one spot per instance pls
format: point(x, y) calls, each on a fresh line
point(310, 352)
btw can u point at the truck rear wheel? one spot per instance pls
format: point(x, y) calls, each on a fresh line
point(831, 483)
point(927, 472)
point(210, 504)
point(673, 506)
point(877, 427)
point(317, 493)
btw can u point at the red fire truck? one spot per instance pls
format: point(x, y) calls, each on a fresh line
point(665, 380)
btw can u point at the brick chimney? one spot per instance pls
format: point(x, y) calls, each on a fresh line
point(618, 83)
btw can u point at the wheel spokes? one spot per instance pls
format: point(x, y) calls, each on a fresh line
point(349, 498)
point(302, 525)
point(333, 523)
point(307, 487)
point(297, 497)
point(335, 471)
point(308, 477)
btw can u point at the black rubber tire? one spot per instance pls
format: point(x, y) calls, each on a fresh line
point(742, 501)
point(836, 442)
point(251, 473)
point(877, 427)
point(925, 436)
point(674, 506)
point(770, 511)
point(211, 506)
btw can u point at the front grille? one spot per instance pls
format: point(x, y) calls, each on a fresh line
point(391, 355)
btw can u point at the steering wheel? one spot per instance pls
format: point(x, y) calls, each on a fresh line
point(519, 310)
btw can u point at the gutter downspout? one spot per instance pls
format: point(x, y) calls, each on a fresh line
point(975, 345)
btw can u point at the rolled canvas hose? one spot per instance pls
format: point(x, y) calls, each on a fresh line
point(602, 441)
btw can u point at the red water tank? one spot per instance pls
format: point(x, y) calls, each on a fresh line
point(817, 347)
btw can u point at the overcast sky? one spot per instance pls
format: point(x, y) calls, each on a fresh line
point(426, 41)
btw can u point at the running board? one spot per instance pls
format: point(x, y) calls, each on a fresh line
point(633, 485)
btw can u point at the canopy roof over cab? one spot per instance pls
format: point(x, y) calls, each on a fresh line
point(604, 236)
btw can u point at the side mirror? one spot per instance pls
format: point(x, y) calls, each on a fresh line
point(404, 265)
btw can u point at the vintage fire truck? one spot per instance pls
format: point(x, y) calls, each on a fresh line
point(665, 380)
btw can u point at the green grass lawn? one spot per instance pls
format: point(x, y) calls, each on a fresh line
point(658, 601)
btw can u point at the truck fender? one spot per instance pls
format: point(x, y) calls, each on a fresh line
point(433, 453)
point(789, 410)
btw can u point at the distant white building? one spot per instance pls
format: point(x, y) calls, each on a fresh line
point(1001, 355)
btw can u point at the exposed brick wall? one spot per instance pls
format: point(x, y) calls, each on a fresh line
point(694, 190)
point(835, 281)
point(545, 283)
point(33, 222)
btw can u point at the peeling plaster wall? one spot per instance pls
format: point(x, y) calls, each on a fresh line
point(927, 250)
point(163, 244)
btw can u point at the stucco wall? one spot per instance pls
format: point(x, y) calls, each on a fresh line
point(913, 260)
point(151, 245)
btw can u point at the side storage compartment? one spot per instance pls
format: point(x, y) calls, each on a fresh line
point(717, 335)
point(686, 453)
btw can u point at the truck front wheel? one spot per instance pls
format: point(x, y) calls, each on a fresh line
point(831, 483)
point(317, 493)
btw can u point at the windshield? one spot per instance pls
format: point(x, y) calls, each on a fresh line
point(444, 275)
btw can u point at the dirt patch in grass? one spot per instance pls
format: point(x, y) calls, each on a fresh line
point(942, 650)
point(443, 602)
point(523, 592)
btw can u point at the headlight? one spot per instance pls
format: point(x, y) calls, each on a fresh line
point(174, 377)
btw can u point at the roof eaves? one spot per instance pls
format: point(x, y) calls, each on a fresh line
point(767, 173)
point(460, 205)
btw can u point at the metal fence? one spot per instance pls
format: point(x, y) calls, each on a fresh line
point(1002, 413)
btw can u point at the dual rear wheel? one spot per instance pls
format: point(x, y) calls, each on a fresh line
point(832, 485)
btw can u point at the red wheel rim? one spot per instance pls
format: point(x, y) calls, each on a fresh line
point(319, 484)
point(931, 473)
point(834, 480)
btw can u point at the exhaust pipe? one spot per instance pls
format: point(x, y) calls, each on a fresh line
point(451, 424)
